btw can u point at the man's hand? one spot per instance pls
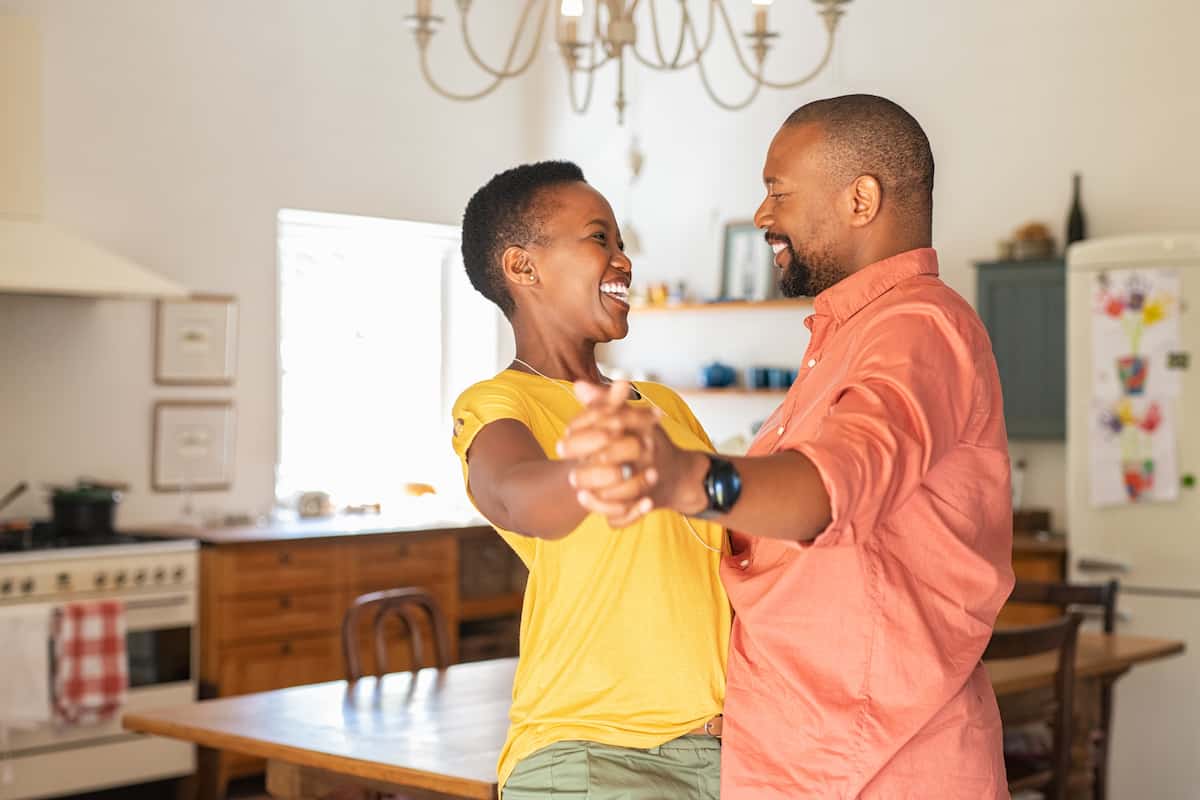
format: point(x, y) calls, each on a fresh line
point(627, 464)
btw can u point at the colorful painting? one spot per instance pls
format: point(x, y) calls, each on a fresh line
point(1135, 330)
point(1133, 452)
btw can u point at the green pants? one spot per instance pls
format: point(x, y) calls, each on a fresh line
point(687, 768)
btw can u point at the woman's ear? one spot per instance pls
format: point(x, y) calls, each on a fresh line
point(517, 266)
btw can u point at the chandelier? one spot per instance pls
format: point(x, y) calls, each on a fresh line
point(610, 35)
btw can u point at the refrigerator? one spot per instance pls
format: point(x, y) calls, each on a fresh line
point(1139, 521)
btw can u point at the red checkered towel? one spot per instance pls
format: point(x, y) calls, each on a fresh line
point(91, 674)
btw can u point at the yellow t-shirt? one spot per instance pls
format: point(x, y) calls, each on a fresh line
point(624, 632)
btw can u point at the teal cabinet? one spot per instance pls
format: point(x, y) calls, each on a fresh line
point(1023, 306)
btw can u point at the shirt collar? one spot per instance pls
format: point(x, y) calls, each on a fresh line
point(855, 292)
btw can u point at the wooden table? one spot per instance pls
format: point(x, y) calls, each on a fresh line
point(1022, 684)
point(442, 733)
point(1097, 656)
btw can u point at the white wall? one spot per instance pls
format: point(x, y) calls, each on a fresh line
point(1014, 96)
point(174, 132)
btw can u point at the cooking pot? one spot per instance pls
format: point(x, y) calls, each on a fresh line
point(84, 509)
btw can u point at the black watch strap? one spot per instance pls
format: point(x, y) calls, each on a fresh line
point(722, 485)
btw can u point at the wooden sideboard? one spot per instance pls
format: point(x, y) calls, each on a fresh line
point(272, 600)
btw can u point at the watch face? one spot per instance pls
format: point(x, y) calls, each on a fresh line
point(722, 484)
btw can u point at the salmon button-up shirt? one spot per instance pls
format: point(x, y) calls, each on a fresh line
point(854, 666)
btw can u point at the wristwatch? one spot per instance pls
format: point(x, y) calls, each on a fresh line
point(722, 485)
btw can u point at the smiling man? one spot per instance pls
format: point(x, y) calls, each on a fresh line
point(871, 520)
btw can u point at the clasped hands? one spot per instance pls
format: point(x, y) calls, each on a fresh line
point(626, 466)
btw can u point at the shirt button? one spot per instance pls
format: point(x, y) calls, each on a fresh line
point(780, 431)
point(812, 362)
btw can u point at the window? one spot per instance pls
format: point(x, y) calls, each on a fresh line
point(379, 330)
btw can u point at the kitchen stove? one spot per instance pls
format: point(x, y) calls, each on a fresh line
point(156, 579)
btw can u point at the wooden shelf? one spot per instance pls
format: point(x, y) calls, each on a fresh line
point(727, 305)
point(734, 391)
point(487, 607)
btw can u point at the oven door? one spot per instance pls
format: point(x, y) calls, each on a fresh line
point(160, 645)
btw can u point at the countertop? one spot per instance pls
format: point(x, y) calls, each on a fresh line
point(1028, 542)
point(297, 529)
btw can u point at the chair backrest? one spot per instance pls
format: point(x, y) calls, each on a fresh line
point(1061, 636)
point(1069, 595)
point(408, 604)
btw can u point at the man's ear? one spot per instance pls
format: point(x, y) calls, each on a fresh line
point(517, 266)
point(866, 197)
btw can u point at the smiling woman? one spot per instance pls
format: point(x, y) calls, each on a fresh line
point(544, 246)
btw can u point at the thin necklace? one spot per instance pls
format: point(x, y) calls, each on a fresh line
point(643, 395)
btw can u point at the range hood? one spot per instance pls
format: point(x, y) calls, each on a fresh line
point(42, 258)
point(39, 257)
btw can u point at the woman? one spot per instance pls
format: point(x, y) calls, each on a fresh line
point(624, 632)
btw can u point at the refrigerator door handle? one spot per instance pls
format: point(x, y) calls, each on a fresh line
point(1089, 564)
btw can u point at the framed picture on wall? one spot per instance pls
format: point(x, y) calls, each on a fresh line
point(195, 341)
point(193, 446)
point(747, 264)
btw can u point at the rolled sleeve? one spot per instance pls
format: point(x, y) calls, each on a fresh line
point(902, 407)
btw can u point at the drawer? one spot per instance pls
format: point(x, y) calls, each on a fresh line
point(274, 567)
point(393, 561)
point(292, 661)
point(282, 613)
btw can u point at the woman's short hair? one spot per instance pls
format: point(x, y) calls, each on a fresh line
point(508, 210)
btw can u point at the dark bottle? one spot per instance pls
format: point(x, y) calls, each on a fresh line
point(1076, 223)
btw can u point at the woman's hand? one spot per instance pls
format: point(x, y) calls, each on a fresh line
point(627, 466)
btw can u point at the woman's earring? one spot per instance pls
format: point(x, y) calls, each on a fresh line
point(532, 278)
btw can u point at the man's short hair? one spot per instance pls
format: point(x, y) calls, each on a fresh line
point(870, 135)
point(508, 210)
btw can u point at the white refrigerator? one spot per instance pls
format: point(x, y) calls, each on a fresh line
point(1145, 533)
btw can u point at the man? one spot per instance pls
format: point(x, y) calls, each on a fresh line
point(871, 521)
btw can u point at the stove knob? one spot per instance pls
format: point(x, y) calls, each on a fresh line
point(140, 577)
point(178, 574)
point(101, 580)
point(6, 586)
point(120, 579)
point(160, 575)
point(64, 580)
point(27, 585)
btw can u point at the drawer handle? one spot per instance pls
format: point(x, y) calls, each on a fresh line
point(286, 648)
point(285, 558)
point(285, 602)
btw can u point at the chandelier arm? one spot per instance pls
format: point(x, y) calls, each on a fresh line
point(449, 95)
point(505, 72)
point(484, 92)
point(758, 76)
point(682, 35)
point(712, 95)
point(595, 65)
point(695, 58)
point(591, 83)
point(824, 62)
point(658, 49)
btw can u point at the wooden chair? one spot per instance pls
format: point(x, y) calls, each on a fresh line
point(1101, 597)
point(408, 604)
point(1049, 775)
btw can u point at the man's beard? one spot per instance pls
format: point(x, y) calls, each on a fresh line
point(808, 277)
